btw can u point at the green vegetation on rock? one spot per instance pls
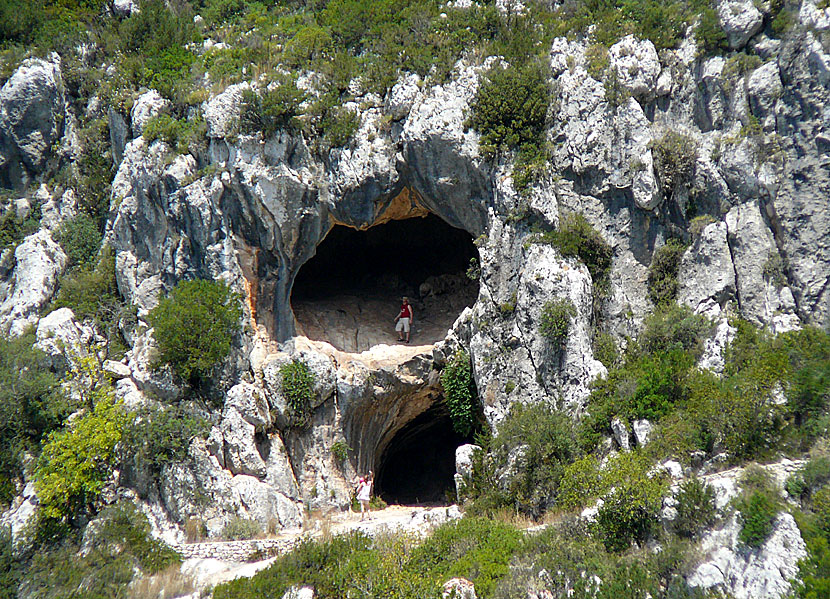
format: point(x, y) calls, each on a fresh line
point(298, 389)
point(459, 392)
point(194, 327)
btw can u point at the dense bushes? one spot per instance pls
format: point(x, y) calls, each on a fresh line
point(183, 135)
point(675, 156)
point(14, 228)
point(31, 405)
point(459, 392)
point(510, 107)
point(695, 507)
point(272, 110)
point(523, 464)
point(160, 436)
point(663, 270)
point(758, 507)
point(194, 327)
point(77, 461)
point(119, 547)
point(390, 566)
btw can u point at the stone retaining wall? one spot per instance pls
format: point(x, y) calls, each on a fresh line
point(235, 551)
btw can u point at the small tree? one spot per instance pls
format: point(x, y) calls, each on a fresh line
point(194, 326)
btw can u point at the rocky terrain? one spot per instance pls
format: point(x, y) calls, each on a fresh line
point(745, 196)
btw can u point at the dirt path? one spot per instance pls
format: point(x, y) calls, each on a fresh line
point(217, 562)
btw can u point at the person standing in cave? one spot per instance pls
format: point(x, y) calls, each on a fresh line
point(404, 320)
point(364, 494)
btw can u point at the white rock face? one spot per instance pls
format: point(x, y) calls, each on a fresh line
point(464, 458)
point(31, 119)
point(814, 17)
point(458, 588)
point(740, 21)
point(125, 8)
point(642, 431)
point(764, 88)
point(147, 106)
point(402, 96)
point(713, 347)
point(620, 431)
point(636, 64)
point(21, 511)
point(761, 574)
point(60, 337)
point(39, 261)
point(706, 278)
point(221, 111)
point(299, 593)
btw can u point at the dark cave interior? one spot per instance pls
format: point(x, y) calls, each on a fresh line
point(418, 464)
point(349, 292)
point(396, 257)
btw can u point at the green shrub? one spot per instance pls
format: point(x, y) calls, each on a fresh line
point(605, 349)
point(538, 441)
point(94, 171)
point(194, 326)
point(699, 223)
point(581, 481)
point(459, 393)
point(272, 110)
point(478, 549)
point(340, 451)
point(663, 270)
point(13, 230)
point(555, 320)
point(810, 477)
point(77, 462)
point(695, 507)
point(576, 238)
point(160, 436)
point(773, 270)
point(821, 508)
point(31, 405)
point(629, 512)
point(757, 517)
point(298, 389)
point(120, 547)
point(339, 126)
point(709, 35)
point(510, 108)
point(597, 61)
point(80, 240)
point(238, 529)
point(182, 135)
point(675, 156)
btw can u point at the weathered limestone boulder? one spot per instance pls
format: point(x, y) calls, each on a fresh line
point(764, 88)
point(402, 96)
point(621, 434)
point(458, 588)
point(706, 277)
point(636, 65)
point(642, 431)
point(146, 107)
point(38, 263)
point(751, 244)
point(813, 17)
point(31, 120)
point(765, 573)
point(222, 110)
point(60, 336)
point(141, 360)
point(740, 21)
point(713, 347)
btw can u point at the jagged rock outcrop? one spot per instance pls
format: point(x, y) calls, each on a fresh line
point(31, 120)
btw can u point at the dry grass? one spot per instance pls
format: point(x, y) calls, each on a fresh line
point(167, 584)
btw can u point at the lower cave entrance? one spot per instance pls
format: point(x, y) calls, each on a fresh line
point(349, 293)
point(418, 464)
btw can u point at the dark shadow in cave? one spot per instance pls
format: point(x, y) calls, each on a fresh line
point(349, 293)
point(418, 464)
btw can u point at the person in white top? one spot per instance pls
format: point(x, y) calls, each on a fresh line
point(364, 494)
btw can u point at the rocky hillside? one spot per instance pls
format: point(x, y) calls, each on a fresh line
point(611, 220)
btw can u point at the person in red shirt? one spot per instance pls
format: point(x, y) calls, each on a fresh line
point(404, 320)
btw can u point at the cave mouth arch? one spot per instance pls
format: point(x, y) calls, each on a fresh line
point(417, 466)
point(348, 294)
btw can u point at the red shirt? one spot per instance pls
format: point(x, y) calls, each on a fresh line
point(406, 311)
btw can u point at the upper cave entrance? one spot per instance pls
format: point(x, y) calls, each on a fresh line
point(349, 293)
point(418, 464)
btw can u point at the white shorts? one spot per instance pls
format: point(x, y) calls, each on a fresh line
point(403, 325)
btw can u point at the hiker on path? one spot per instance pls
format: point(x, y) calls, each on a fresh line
point(404, 320)
point(364, 494)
